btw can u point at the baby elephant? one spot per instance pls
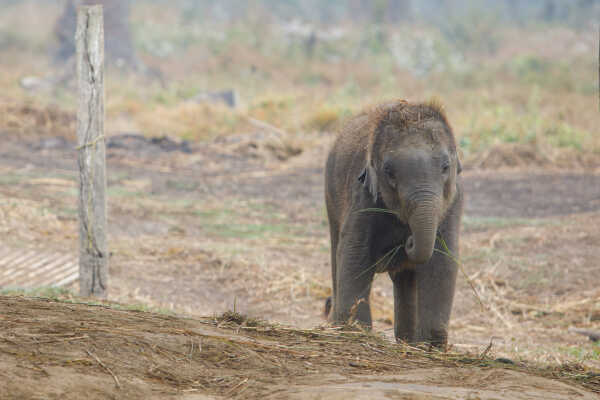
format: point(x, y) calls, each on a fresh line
point(392, 192)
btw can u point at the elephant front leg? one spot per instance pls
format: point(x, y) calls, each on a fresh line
point(354, 277)
point(436, 281)
point(406, 317)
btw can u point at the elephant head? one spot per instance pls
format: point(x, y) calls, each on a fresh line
point(412, 167)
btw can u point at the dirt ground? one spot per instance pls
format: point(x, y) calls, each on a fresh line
point(199, 229)
point(55, 350)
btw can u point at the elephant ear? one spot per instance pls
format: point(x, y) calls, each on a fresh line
point(368, 178)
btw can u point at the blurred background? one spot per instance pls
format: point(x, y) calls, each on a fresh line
point(219, 116)
point(521, 72)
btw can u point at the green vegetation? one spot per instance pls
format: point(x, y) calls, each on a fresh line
point(238, 223)
point(122, 191)
point(582, 354)
point(9, 179)
point(482, 223)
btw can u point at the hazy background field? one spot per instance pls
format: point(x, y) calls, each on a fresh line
point(510, 72)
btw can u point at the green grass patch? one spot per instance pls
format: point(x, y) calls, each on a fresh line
point(182, 186)
point(10, 179)
point(245, 231)
point(582, 353)
point(484, 223)
point(250, 220)
point(504, 124)
point(122, 191)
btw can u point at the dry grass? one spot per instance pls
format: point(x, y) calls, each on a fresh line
point(325, 118)
point(533, 291)
point(190, 121)
point(23, 222)
point(512, 155)
point(30, 120)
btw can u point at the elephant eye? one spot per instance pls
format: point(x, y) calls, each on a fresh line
point(389, 173)
point(445, 167)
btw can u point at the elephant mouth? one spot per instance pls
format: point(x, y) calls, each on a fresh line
point(411, 249)
point(401, 256)
point(395, 259)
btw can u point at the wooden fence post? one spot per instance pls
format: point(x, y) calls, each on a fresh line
point(93, 254)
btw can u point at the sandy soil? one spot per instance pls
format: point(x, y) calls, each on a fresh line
point(201, 229)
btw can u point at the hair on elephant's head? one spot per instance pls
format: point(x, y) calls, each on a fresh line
point(412, 167)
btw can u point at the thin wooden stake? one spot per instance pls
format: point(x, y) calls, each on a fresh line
point(93, 254)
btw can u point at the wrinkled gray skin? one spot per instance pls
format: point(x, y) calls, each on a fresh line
point(411, 168)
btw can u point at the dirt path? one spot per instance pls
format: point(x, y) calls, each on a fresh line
point(214, 171)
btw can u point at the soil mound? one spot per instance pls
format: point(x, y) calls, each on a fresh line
point(64, 350)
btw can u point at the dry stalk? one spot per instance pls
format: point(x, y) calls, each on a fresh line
point(354, 310)
point(64, 339)
point(373, 348)
point(487, 349)
point(233, 389)
point(264, 125)
point(105, 367)
point(501, 317)
point(567, 306)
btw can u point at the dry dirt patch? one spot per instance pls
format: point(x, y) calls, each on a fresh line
point(68, 350)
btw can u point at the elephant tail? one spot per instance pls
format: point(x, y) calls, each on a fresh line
point(327, 309)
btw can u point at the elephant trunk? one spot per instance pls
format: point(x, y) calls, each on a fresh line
point(423, 223)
